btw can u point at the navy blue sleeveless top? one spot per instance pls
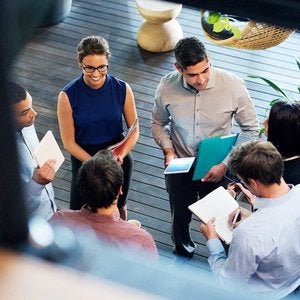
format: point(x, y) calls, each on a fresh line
point(97, 113)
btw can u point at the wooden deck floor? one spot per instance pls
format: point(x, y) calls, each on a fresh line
point(47, 63)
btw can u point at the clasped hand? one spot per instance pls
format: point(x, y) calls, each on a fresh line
point(45, 173)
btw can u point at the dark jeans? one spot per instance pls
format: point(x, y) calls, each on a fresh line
point(76, 201)
point(183, 191)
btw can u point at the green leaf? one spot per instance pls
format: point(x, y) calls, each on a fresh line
point(274, 101)
point(213, 17)
point(218, 27)
point(272, 85)
point(226, 23)
point(262, 130)
point(236, 32)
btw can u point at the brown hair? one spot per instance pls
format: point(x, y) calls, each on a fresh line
point(92, 45)
point(258, 160)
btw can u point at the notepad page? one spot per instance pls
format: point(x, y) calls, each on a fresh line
point(219, 204)
point(48, 148)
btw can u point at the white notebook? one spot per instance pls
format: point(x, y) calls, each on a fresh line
point(48, 148)
point(179, 165)
point(219, 204)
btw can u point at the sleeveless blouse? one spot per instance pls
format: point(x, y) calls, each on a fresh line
point(97, 113)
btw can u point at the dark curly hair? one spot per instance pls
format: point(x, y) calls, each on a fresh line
point(99, 180)
point(189, 52)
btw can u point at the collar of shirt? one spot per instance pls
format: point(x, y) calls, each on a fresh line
point(211, 83)
point(269, 202)
point(95, 217)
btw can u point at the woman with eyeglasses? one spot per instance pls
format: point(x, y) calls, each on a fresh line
point(90, 112)
point(282, 129)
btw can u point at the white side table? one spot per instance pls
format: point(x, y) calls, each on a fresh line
point(160, 31)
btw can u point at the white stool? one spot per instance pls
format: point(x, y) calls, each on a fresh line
point(160, 32)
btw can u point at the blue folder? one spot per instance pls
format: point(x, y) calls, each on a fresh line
point(211, 152)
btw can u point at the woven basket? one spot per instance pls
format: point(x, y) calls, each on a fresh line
point(256, 36)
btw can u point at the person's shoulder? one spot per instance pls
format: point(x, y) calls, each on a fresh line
point(72, 84)
point(64, 215)
point(170, 80)
point(115, 81)
point(136, 231)
point(226, 75)
point(174, 75)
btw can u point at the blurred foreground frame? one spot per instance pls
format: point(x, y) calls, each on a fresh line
point(18, 22)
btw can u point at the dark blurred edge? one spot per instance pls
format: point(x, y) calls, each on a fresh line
point(278, 12)
point(18, 20)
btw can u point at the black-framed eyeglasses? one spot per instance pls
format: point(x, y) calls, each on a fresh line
point(91, 69)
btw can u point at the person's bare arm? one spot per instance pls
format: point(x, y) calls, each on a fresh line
point(130, 116)
point(67, 129)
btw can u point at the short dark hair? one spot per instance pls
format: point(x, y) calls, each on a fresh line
point(189, 52)
point(99, 181)
point(258, 160)
point(284, 128)
point(16, 92)
point(92, 44)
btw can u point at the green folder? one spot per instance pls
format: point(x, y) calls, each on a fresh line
point(211, 152)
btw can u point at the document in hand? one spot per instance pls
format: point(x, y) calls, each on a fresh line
point(48, 148)
point(211, 152)
point(117, 148)
point(179, 165)
point(219, 204)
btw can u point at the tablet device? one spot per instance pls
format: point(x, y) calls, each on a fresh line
point(179, 165)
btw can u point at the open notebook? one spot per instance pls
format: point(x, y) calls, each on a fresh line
point(219, 204)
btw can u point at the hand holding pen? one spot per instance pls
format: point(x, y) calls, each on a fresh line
point(237, 216)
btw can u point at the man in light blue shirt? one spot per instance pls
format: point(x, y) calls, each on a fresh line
point(37, 187)
point(265, 251)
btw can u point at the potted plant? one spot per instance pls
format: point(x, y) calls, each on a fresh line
point(277, 88)
point(222, 26)
point(280, 91)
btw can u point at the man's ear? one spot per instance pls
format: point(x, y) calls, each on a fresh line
point(120, 191)
point(252, 183)
point(179, 69)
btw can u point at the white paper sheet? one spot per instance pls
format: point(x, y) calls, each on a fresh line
point(48, 148)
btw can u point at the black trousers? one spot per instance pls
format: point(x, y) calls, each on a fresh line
point(76, 201)
point(183, 191)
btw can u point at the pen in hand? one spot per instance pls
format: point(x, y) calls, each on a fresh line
point(237, 213)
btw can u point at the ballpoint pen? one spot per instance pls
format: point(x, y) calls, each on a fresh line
point(238, 211)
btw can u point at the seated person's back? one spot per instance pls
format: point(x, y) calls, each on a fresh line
point(100, 183)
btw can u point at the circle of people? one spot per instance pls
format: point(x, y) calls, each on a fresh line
point(193, 102)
